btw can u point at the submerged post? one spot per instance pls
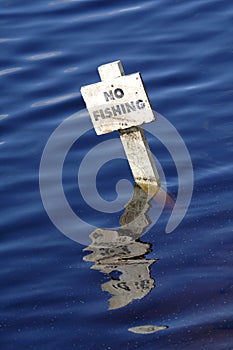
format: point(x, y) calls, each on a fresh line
point(120, 102)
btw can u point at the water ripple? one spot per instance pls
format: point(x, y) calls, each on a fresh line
point(55, 100)
point(3, 116)
point(4, 40)
point(106, 14)
point(71, 69)
point(43, 56)
point(10, 70)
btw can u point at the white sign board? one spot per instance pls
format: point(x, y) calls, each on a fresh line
point(118, 103)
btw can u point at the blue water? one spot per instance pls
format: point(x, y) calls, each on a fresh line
point(50, 297)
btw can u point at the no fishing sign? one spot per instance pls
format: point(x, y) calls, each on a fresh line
point(117, 103)
point(120, 102)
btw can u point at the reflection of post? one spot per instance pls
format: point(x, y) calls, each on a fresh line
point(135, 217)
point(119, 251)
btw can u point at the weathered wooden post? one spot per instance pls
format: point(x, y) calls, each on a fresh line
point(120, 102)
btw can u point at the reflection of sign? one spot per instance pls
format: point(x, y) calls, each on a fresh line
point(113, 247)
point(148, 329)
point(114, 252)
point(134, 283)
point(118, 103)
point(122, 251)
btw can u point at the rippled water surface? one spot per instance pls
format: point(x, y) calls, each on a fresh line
point(53, 294)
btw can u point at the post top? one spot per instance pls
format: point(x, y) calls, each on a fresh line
point(111, 70)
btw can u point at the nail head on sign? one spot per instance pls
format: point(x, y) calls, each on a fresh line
point(117, 102)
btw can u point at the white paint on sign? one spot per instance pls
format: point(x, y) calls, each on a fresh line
point(118, 103)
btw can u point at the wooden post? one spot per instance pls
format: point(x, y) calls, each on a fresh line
point(120, 102)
